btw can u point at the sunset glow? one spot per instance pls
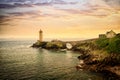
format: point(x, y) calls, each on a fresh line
point(60, 19)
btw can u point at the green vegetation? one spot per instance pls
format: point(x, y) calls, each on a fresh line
point(102, 42)
point(55, 45)
point(112, 45)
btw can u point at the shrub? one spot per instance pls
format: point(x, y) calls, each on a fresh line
point(112, 45)
point(102, 42)
point(55, 45)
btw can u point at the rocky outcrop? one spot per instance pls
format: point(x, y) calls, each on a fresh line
point(39, 44)
point(109, 66)
point(99, 60)
point(49, 45)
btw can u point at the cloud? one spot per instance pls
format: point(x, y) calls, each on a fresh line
point(87, 9)
point(4, 6)
point(27, 15)
point(24, 8)
point(4, 20)
point(99, 8)
point(113, 3)
point(17, 15)
point(24, 13)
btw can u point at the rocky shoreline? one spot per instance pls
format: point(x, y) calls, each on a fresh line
point(109, 66)
point(98, 60)
point(92, 58)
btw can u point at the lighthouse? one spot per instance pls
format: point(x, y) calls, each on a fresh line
point(40, 35)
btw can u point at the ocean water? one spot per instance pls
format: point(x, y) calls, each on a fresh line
point(18, 61)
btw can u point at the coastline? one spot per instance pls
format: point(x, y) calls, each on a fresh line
point(94, 58)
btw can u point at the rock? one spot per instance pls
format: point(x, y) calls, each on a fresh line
point(78, 67)
point(55, 45)
point(81, 62)
point(83, 56)
point(109, 66)
point(39, 44)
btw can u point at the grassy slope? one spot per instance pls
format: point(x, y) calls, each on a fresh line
point(105, 54)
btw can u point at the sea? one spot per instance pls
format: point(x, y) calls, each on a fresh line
point(19, 61)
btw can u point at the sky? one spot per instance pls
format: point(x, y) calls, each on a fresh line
point(58, 19)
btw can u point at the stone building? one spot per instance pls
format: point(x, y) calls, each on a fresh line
point(109, 34)
point(102, 36)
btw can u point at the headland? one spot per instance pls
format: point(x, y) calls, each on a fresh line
point(100, 54)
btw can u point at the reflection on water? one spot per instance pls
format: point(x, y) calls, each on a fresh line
point(23, 62)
